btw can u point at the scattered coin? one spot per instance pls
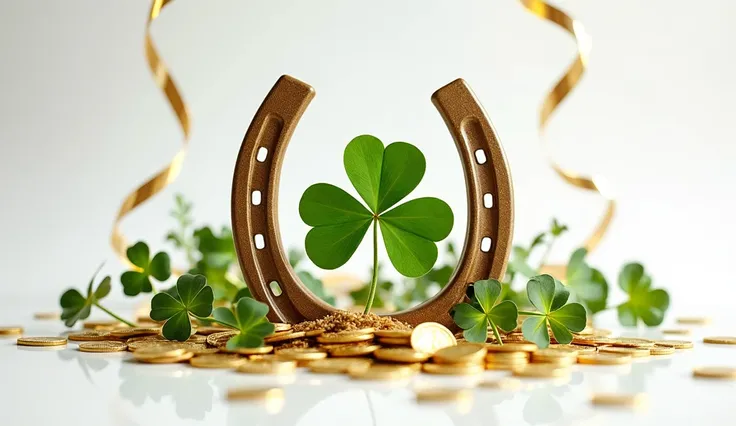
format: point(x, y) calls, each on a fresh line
point(403, 355)
point(511, 357)
point(720, 340)
point(90, 336)
point(352, 350)
point(206, 330)
point(619, 399)
point(300, 354)
point(280, 326)
point(313, 333)
point(103, 346)
point(338, 365)
point(220, 338)
point(250, 394)
point(632, 352)
point(96, 325)
point(453, 369)
point(250, 351)
point(694, 320)
point(512, 347)
point(41, 341)
point(631, 342)
point(217, 361)
point(10, 330)
point(382, 372)
point(661, 350)
point(681, 331)
point(604, 359)
point(161, 354)
point(344, 337)
point(393, 334)
point(429, 337)
point(540, 371)
point(135, 331)
point(677, 344)
point(463, 353)
point(505, 383)
point(443, 395)
point(554, 357)
point(47, 316)
point(715, 372)
point(284, 336)
point(274, 367)
point(395, 341)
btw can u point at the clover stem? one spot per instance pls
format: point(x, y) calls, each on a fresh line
point(534, 314)
point(374, 279)
point(112, 314)
point(496, 333)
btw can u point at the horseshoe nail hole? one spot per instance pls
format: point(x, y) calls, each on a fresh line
point(260, 242)
point(255, 198)
point(262, 154)
point(480, 156)
point(275, 288)
point(488, 200)
point(485, 244)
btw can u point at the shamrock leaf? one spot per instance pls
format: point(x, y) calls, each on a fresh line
point(75, 307)
point(382, 177)
point(316, 286)
point(644, 303)
point(518, 262)
point(193, 297)
point(249, 317)
point(483, 313)
point(587, 285)
point(549, 296)
point(139, 280)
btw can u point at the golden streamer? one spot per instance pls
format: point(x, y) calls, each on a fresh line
point(554, 98)
point(168, 174)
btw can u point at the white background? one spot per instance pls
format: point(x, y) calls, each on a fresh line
point(82, 123)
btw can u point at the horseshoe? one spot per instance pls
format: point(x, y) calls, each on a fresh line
point(255, 204)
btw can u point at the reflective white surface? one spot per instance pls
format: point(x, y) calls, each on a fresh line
point(65, 386)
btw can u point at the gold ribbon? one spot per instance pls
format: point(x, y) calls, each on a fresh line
point(554, 98)
point(169, 173)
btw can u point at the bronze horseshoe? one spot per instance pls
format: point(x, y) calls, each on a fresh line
point(255, 204)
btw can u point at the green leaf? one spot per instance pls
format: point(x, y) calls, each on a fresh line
point(103, 289)
point(402, 169)
point(429, 218)
point(561, 296)
point(541, 292)
point(243, 292)
point(316, 286)
point(330, 247)
point(164, 306)
point(534, 330)
point(627, 315)
point(550, 297)
point(75, 307)
point(135, 282)
point(478, 333)
point(631, 277)
point(476, 318)
point(411, 255)
point(562, 334)
point(645, 303)
point(486, 292)
point(193, 297)
point(557, 228)
point(250, 319)
point(160, 266)
point(504, 315)
point(363, 159)
point(572, 316)
point(467, 316)
point(138, 254)
point(518, 262)
point(225, 317)
point(326, 205)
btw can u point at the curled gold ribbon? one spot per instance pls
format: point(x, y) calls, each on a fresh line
point(554, 98)
point(169, 173)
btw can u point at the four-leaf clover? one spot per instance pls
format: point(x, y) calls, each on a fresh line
point(476, 318)
point(382, 177)
point(139, 281)
point(549, 297)
point(249, 317)
point(644, 303)
point(76, 307)
point(193, 297)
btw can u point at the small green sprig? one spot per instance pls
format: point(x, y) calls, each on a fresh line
point(138, 280)
point(248, 316)
point(645, 304)
point(75, 307)
point(484, 313)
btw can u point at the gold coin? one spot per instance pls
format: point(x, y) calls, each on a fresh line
point(395, 341)
point(720, 340)
point(41, 341)
point(507, 356)
point(220, 338)
point(540, 371)
point(262, 350)
point(197, 338)
point(353, 350)
point(314, 333)
point(512, 347)
point(630, 342)
point(677, 344)
point(453, 369)
point(167, 359)
point(95, 325)
point(199, 349)
point(217, 361)
point(504, 366)
point(554, 357)
point(505, 383)
point(661, 350)
point(90, 336)
point(382, 372)
point(7, 331)
point(47, 316)
point(464, 353)
point(135, 331)
point(338, 365)
point(158, 351)
point(360, 331)
point(274, 367)
point(619, 399)
point(266, 357)
point(682, 331)
point(604, 359)
point(206, 330)
point(632, 352)
point(429, 337)
point(694, 320)
point(284, 336)
point(443, 395)
point(280, 326)
point(394, 334)
point(715, 372)
point(344, 337)
point(403, 355)
point(103, 346)
point(250, 394)
point(591, 341)
point(300, 354)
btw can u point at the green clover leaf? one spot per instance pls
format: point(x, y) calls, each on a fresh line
point(550, 297)
point(193, 297)
point(139, 280)
point(75, 307)
point(382, 177)
point(483, 313)
point(587, 285)
point(644, 303)
point(249, 317)
point(316, 286)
